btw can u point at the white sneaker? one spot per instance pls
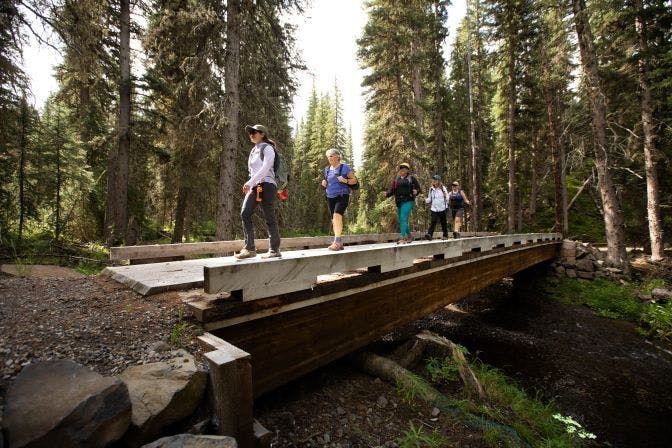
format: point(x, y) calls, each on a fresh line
point(272, 254)
point(244, 253)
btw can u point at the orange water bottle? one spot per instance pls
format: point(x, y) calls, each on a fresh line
point(259, 191)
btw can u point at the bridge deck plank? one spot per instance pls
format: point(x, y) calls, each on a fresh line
point(297, 270)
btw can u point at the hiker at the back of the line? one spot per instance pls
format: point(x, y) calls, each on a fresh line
point(338, 177)
point(457, 199)
point(260, 189)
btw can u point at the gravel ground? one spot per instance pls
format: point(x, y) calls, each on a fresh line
point(93, 320)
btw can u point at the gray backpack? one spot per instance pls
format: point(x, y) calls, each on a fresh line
point(280, 167)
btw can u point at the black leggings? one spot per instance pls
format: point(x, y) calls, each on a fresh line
point(438, 217)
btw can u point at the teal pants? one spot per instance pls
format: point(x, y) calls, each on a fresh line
point(404, 211)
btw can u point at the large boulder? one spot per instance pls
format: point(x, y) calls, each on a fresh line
point(162, 393)
point(661, 294)
point(585, 264)
point(192, 441)
point(62, 403)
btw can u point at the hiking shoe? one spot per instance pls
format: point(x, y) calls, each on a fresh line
point(428, 237)
point(409, 239)
point(272, 254)
point(245, 253)
point(335, 246)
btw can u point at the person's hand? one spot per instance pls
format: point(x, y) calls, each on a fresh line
point(415, 192)
point(246, 189)
point(342, 179)
point(324, 183)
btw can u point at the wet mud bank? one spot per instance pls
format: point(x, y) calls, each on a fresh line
point(598, 370)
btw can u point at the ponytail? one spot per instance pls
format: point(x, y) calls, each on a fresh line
point(270, 142)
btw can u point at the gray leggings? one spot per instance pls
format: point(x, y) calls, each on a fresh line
point(267, 203)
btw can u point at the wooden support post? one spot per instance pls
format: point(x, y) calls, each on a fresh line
point(231, 379)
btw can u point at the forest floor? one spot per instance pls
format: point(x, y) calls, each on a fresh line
point(600, 371)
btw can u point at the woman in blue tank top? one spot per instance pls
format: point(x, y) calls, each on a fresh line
point(457, 199)
point(337, 180)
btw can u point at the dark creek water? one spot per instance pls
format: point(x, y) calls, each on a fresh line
point(597, 370)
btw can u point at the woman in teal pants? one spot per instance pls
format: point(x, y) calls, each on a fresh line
point(405, 188)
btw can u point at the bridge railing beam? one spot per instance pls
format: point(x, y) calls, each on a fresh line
point(255, 279)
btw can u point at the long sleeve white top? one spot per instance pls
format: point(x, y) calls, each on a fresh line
point(261, 171)
point(438, 197)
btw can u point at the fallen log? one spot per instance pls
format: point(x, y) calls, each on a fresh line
point(469, 379)
point(392, 372)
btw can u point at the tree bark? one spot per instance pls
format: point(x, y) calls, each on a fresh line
point(650, 152)
point(23, 148)
point(438, 100)
point(227, 157)
point(557, 154)
point(59, 183)
point(613, 215)
point(510, 116)
point(533, 186)
point(180, 213)
point(418, 100)
point(475, 150)
point(117, 176)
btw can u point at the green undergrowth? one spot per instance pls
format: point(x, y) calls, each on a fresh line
point(620, 300)
point(86, 258)
point(507, 416)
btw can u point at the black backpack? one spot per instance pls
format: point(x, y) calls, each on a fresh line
point(340, 171)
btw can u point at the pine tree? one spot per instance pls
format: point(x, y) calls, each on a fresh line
point(613, 215)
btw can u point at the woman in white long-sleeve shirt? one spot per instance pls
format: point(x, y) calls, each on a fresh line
point(261, 189)
point(438, 198)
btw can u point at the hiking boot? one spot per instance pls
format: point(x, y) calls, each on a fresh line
point(428, 237)
point(272, 254)
point(245, 253)
point(335, 246)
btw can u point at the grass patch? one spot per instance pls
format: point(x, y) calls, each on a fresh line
point(415, 437)
point(509, 404)
point(620, 301)
point(658, 317)
point(179, 330)
point(606, 298)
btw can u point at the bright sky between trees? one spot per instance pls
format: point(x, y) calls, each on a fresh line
point(326, 39)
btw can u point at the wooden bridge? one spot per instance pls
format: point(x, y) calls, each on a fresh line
point(271, 321)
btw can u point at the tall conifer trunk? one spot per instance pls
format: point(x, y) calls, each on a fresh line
point(438, 101)
point(650, 152)
point(511, 115)
point(23, 148)
point(227, 190)
point(475, 150)
point(613, 215)
point(117, 176)
point(557, 152)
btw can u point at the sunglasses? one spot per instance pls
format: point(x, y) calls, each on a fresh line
point(456, 185)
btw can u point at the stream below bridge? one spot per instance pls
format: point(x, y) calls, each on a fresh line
point(598, 370)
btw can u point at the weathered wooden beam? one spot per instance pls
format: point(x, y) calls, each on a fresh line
point(231, 381)
point(253, 279)
point(287, 345)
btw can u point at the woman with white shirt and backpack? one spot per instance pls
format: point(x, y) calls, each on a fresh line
point(261, 188)
point(438, 198)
